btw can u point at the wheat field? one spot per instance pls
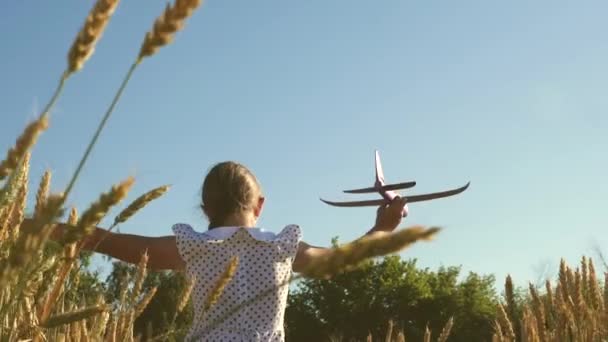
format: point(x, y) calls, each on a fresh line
point(38, 276)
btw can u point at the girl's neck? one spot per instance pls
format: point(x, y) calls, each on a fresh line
point(246, 221)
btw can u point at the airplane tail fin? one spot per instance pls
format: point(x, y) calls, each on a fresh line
point(379, 171)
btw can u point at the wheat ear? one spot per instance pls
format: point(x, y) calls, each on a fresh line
point(505, 322)
point(389, 331)
point(347, 256)
point(69, 253)
point(93, 215)
point(166, 25)
point(183, 301)
point(18, 213)
point(139, 203)
point(24, 143)
point(445, 333)
point(90, 33)
point(179, 13)
point(43, 192)
point(140, 276)
point(143, 303)
point(220, 285)
point(70, 317)
point(133, 208)
point(427, 334)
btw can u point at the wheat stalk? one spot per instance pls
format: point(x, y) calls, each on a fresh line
point(140, 275)
point(349, 255)
point(505, 322)
point(24, 143)
point(427, 334)
point(594, 290)
point(573, 312)
point(445, 333)
point(5, 214)
point(98, 209)
point(183, 301)
point(43, 192)
point(389, 331)
point(219, 286)
point(74, 316)
point(141, 306)
point(18, 212)
point(539, 311)
point(178, 13)
point(84, 45)
point(166, 25)
point(133, 208)
point(70, 254)
point(497, 336)
point(139, 203)
point(29, 243)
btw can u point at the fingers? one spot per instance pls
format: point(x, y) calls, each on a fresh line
point(396, 206)
point(399, 206)
point(398, 203)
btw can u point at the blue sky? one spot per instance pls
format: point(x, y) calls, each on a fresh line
point(508, 95)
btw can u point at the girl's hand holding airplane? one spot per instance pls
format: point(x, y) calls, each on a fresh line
point(389, 216)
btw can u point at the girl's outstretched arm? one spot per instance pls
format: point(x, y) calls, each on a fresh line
point(387, 219)
point(162, 251)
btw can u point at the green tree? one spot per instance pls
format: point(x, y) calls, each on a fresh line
point(362, 301)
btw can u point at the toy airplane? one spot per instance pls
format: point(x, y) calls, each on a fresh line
point(388, 194)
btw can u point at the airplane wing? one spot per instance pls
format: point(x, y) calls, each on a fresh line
point(435, 195)
point(388, 187)
point(410, 199)
point(368, 203)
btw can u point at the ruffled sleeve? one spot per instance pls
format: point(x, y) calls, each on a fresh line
point(288, 241)
point(186, 239)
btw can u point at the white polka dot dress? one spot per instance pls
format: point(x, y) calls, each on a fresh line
point(252, 306)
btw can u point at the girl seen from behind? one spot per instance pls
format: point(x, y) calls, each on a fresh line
point(232, 201)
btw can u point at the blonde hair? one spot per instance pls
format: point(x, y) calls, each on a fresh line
point(229, 188)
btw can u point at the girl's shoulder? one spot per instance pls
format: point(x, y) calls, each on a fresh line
point(191, 243)
point(185, 231)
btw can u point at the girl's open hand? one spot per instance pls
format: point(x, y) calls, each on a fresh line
point(389, 216)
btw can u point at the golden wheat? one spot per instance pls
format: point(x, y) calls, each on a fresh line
point(23, 144)
point(505, 323)
point(43, 192)
point(143, 303)
point(67, 318)
point(427, 334)
point(18, 212)
point(98, 209)
point(350, 255)
point(221, 283)
point(185, 297)
point(140, 276)
point(166, 25)
point(84, 45)
point(569, 313)
point(64, 270)
point(139, 203)
point(445, 332)
point(389, 331)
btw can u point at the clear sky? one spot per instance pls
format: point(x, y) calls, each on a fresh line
point(508, 95)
